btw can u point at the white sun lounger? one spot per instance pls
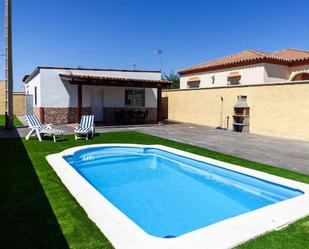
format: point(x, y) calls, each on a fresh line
point(85, 127)
point(39, 129)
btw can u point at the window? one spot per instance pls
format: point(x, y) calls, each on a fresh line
point(234, 80)
point(213, 79)
point(193, 84)
point(35, 96)
point(135, 97)
point(139, 97)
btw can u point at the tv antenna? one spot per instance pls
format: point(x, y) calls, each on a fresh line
point(133, 65)
point(159, 52)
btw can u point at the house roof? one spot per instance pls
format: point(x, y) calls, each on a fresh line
point(113, 81)
point(28, 77)
point(288, 57)
point(291, 54)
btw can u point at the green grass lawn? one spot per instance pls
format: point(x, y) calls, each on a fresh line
point(37, 211)
point(15, 120)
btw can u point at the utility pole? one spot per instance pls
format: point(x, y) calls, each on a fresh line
point(8, 66)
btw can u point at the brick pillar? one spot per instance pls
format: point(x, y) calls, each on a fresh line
point(41, 114)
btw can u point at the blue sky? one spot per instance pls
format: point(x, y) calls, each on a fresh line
point(114, 34)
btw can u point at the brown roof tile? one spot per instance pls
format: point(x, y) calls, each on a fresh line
point(248, 57)
point(290, 54)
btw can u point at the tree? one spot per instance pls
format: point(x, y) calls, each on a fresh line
point(174, 78)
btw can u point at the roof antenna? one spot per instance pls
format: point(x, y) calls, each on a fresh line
point(159, 52)
point(134, 66)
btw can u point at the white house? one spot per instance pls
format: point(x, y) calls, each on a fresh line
point(248, 67)
point(62, 95)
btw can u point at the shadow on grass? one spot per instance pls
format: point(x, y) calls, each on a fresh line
point(27, 219)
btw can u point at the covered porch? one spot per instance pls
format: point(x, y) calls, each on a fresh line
point(115, 100)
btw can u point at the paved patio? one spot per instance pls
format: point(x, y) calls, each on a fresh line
point(285, 153)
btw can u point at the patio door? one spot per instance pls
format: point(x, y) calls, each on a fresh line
point(97, 104)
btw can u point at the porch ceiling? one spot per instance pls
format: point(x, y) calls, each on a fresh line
point(114, 81)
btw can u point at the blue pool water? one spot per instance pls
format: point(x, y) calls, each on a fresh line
point(168, 195)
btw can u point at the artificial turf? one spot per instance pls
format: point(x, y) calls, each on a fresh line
point(16, 121)
point(37, 211)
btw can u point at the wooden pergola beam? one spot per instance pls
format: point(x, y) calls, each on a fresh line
point(114, 83)
point(159, 97)
point(79, 102)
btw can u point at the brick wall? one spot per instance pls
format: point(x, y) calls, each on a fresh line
point(278, 109)
point(18, 101)
point(65, 115)
point(39, 112)
point(60, 115)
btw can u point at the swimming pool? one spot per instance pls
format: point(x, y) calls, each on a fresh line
point(170, 195)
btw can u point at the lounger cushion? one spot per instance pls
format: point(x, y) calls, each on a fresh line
point(34, 122)
point(86, 124)
point(82, 129)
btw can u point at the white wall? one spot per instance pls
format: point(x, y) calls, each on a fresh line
point(53, 92)
point(113, 97)
point(151, 97)
point(276, 73)
point(56, 93)
point(29, 89)
point(252, 74)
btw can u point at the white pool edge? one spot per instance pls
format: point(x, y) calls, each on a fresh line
point(125, 234)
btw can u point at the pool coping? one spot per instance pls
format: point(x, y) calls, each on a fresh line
point(123, 233)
